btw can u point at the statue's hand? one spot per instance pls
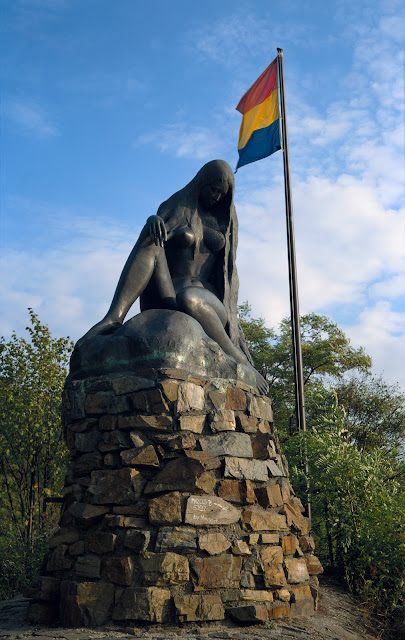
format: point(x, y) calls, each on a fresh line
point(157, 230)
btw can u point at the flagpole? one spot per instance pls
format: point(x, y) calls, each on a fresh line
point(292, 274)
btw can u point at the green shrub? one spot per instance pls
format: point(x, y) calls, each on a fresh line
point(33, 453)
point(19, 566)
point(358, 507)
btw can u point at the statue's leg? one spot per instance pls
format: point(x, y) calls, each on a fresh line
point(163, 283)
point(146, 259)
point(205, 307)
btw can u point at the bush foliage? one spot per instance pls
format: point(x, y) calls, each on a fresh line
point(358, 507)
point(354, 447)
point(32, 449)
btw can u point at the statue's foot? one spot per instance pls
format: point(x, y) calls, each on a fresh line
point(262, 386)
point(102, 328)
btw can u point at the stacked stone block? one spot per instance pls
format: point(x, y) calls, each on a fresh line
point(177, 508)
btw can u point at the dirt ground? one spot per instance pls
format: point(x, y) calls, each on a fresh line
point(339, 617)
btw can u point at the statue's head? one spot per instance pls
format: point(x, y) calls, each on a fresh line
point(216, 183)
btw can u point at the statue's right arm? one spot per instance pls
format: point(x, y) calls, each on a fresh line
point(157, 230)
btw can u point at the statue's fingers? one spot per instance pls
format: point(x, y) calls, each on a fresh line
point(156, 233)
point(162, 232)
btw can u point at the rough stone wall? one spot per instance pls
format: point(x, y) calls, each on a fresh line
point(178, 508)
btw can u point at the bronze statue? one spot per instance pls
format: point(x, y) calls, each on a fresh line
point(184, 260)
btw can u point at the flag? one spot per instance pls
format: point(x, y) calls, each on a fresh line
point(259, 134)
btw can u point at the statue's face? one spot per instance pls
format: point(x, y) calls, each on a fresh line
point(213, 192)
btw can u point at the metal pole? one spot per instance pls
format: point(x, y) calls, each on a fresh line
point(292, 274)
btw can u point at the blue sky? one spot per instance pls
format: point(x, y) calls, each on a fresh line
point(109, 106)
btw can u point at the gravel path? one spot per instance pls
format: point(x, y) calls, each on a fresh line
point(337, 618)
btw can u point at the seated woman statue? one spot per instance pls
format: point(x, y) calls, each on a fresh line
point(184, 260)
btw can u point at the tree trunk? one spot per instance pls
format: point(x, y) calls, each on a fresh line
point(329, 537)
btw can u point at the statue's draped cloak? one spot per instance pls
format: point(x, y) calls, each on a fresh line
point(181, 210)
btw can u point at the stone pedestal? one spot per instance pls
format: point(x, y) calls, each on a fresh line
point(178, 508)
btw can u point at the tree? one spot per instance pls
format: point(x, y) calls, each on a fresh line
point(32, 449)
point(326, 354)
point(375, 412)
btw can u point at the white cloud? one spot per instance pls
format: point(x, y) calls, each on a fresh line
point(69, 287)
point(228, 39)
point(392, 287)
point(243, 36)
point(184, 142)
point(381, 331)
point(345, 242)
point(30, 118)
point(107, 89)
point(381, 165)
point(47, 5)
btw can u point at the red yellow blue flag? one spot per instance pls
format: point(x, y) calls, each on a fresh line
point(259, 134)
